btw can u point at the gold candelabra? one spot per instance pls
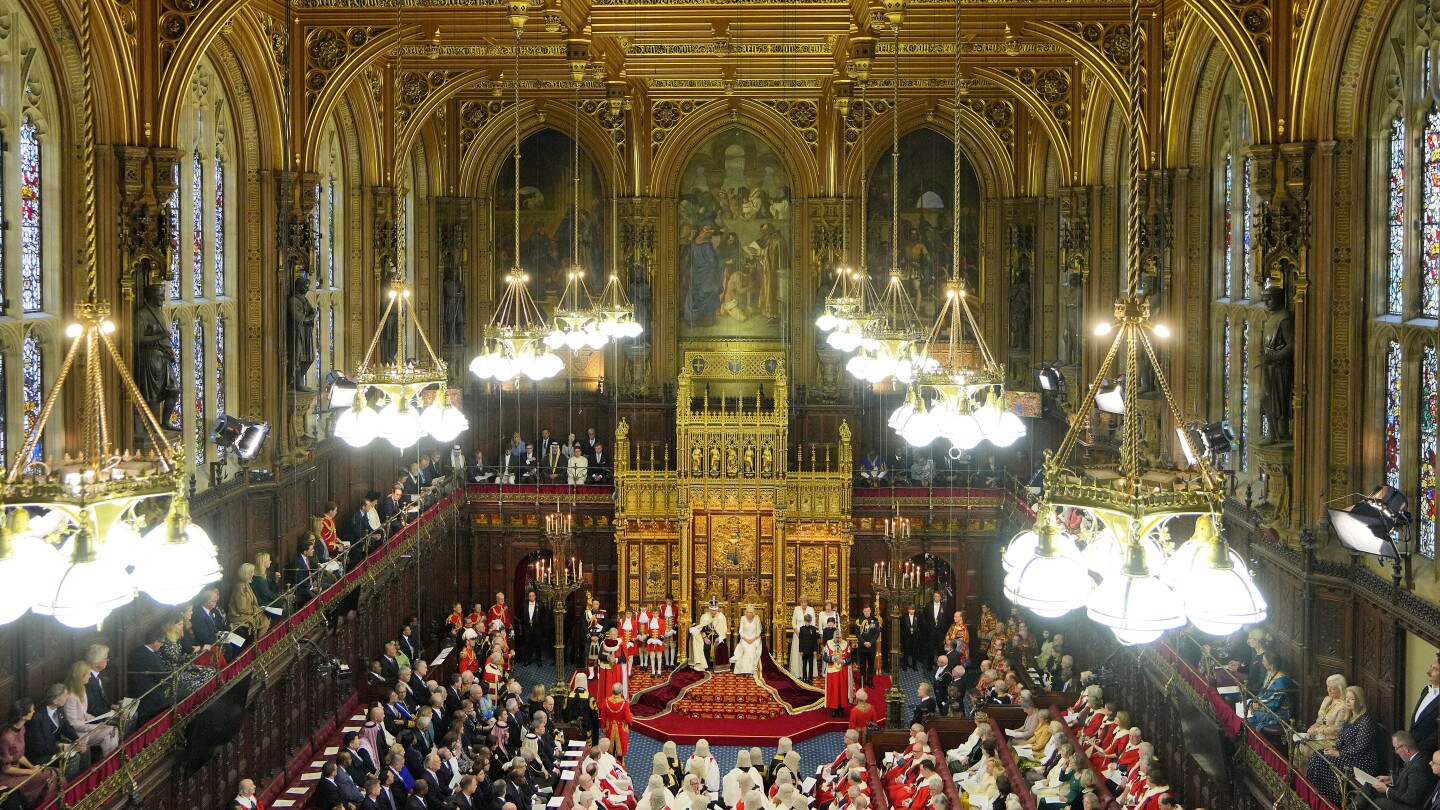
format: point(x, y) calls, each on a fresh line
point(556, 580)
point(897, 582)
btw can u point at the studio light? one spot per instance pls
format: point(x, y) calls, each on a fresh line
point(1111, 397)
point(1199, 441)
point(1367, 526)
point(1051, 381)
point(241, 435)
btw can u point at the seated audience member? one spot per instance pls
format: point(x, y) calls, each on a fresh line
point(245, 606)
point(179, 655)
point(1411, 787)
point(93, 732)
point(48, 732)
point(327, 791)
point(146, 673)
point(598, 471)
point(302, 572)
point(1271, 705)
point(529, 468)
point(265, 584)
point(1358, 746)
point(577, 466)
point(208, 619)
point(245, 798)
point(97, 696)
point(1328, 721)
point(35, 784)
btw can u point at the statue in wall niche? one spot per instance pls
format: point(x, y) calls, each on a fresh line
point(390, 332)
point(1277, 363)
point(640, 299)
point(454, 313)
point(1020, 307)
point(156, 371)
point(301, 334)
point(1070, 332)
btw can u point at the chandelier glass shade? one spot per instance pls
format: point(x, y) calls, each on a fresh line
point(1043, 569)
point(515, 339)
point(955, 384)
point(388, 398)
point(576, 321)
point(615, 313)
point(69, 540)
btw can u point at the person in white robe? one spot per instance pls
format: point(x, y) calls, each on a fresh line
point(737, 781)
point(748, 648)
point(656, 796)
point(704, 766)
point(702, 656)
point(797, 620)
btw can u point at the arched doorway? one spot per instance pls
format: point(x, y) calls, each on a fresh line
point(522, 578)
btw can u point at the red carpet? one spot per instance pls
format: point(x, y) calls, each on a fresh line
point(728, 709)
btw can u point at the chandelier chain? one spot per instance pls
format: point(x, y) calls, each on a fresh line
point(955, 164)
point(895, 159)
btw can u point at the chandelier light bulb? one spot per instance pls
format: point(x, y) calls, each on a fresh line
point(1135, 603)
point(1044, 571)
point(400, 427)
point(358, 425)
point(87, 589)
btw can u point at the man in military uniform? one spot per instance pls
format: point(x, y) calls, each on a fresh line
point(867, 636)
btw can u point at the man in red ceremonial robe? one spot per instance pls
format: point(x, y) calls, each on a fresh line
point(468, 661)
point(615, 721)
point(500, 612)
point(456, 619)
point(629, 630)
point(494, 675)
point(838, 683)
point(863, 713)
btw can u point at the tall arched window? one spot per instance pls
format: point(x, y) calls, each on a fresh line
point(202, 301)
point(31, 318)
point(328, 219)
point(1236, 308)
point(1404, 287)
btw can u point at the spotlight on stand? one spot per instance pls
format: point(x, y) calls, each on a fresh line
point(1111, 396)
point(1367, 526)
point(342, 391)
point(240, 435)
point(1199, 440)
point(1051, 381)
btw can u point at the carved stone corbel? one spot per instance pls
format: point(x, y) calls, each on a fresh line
point(147, 182)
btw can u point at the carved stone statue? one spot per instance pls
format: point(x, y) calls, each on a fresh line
point(454, 314)
point(1277, 358)
point(301, 333)
point(1070, 331)
point(155, 371)
point(1020, 309)
point(639, 293)
point(390, 332)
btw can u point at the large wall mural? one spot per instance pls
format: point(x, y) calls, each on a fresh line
point(551, 239)
point(735, 240)
point(926, 193)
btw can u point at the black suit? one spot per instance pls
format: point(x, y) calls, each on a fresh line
point(390, 668)
point(462, 802)
point(942, 690)
point(1412, 786)
point(146, 670)
point(209, 624)
point(388, 508)
point(530, 632)
point(44, 735)
point(599, 470)
point(925, 707)
point(302, 577)
point(387, 801)
point(934, 627)
point(1425, 726)
point(410, 646)
point(910, 640)
point(95, 695)
point(327, 795)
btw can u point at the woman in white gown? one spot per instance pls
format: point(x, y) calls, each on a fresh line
point(797, 620)
point(749, 648)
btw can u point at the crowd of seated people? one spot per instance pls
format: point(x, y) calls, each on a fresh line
point(909, 778)
point(926, 467)
point(1110, 751)
point(544, 461)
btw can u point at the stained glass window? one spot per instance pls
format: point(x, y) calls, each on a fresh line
point(219, 365)
point(199, 355)
point(1392, 414)
point(1429, 418)
point(1226, 368)
point(173, 418)
point(1242, 427)
point(330, 233)
point(332, 337)
point(31, 284)
point(1246, 225)
point(1430, 228)
point(197, 226)
point(1229, 225)
point(4, 413)
point(174, 209)
point(219, 227)
point(1395, 276)
point(32, 381)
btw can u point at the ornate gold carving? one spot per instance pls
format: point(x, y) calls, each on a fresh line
point(326, 49)
point(803, 115)
point(175, 19)
point(1112, 40)
point(667, 114)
